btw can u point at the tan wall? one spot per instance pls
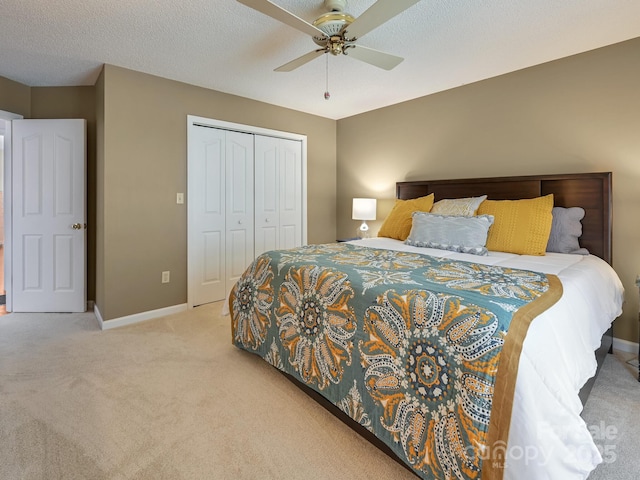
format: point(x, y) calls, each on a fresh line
point(145, 165)
point(15, 97)
point(578, 114)
point(75, 102)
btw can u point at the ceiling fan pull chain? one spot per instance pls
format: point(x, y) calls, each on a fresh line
point(327, 95)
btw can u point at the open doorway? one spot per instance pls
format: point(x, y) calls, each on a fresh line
point(5, 206)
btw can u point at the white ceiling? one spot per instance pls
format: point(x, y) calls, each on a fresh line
point(226, 46)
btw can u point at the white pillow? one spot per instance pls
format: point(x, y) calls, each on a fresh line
point(450, 232)
point(466, 207)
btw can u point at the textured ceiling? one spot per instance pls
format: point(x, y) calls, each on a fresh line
point(226, 46)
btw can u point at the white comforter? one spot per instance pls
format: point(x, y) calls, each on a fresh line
point(548, 439)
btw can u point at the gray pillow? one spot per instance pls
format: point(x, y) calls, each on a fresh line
point(450, 232)
point(566, 229)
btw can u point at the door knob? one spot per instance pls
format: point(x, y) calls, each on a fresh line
point(76, 226)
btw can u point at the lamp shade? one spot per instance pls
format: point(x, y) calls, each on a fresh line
point(364, 209)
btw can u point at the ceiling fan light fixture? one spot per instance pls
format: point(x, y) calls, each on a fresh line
point(336, 31)
point(331, 24)
point(336, 45)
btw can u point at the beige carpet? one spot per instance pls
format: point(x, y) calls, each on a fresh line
point(166, 399)
point(613, 415)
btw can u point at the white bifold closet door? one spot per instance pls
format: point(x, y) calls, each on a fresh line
point(220, 210)
point(278, 194)
point(245, 197)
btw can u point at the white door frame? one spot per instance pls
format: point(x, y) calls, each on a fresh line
point(8, 271)
point(193, 121)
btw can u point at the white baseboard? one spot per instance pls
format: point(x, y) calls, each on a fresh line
point(137, 317)
point(625, 345)
point(96, 312)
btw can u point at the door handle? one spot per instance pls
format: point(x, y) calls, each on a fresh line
point(76, 226)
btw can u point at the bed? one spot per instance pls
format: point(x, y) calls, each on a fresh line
point(459, 365)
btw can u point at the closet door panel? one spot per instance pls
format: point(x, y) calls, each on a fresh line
point(239, 202)
point(266, 194)
point(290, 193)
point(206, 215)
point(289, 237)
point(238, 257)
point(213, 246)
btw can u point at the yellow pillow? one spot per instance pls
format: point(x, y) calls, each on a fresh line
point(398, 223)
point(520, 226)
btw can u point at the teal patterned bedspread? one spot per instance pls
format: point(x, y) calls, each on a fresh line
point(407, 345)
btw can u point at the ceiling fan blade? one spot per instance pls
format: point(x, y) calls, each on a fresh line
point(284, 16)
point(376, 15)
point(377, 58)
point(298, 62)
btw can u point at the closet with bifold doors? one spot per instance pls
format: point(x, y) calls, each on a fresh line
point(246, 195)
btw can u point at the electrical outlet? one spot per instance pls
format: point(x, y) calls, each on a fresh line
point(166, 276)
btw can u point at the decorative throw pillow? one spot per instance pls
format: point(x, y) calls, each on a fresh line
point(566, 229)
point(450, 232)
point(520, 226)
point(466, 207)
point(398, 223)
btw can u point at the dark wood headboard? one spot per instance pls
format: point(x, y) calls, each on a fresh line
point(591, 191)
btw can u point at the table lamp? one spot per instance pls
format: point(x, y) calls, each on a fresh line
point(363, 209)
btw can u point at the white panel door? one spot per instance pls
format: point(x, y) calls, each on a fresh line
point(206, 210)
point(290, 191)
point(267, 199)
point(239, 204)
point(49, 216)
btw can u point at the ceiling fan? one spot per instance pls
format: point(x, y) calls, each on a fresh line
point(336, 32)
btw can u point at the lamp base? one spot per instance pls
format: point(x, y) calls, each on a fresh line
point(363, 231)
